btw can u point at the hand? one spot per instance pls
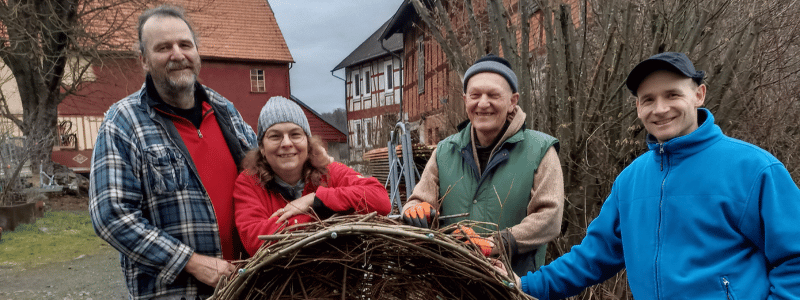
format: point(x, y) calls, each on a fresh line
point(501, 268)
point(207, 269)
point(298, 206)
point(420, 215)
point(469, 237)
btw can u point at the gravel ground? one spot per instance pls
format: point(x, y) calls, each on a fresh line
point(89, 277)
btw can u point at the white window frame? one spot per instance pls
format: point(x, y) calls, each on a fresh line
point(257, 82)
point(367, 83)
point(356, 84)
point(389, 77)
point(356, 134)
point(367, 125)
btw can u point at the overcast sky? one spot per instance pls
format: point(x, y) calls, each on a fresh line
point(320, 34)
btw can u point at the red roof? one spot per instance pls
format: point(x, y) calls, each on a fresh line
point(229, 29)
point(240, 29)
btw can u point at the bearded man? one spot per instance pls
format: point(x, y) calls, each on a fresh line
point(164, 167)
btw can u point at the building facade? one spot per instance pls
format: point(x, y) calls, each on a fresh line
point(433, 92)
point(373, 93)
point(244, 57)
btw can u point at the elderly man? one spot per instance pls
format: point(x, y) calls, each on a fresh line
point(699, 216)
point(164, 167)
point(495, 170)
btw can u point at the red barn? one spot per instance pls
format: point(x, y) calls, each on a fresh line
point(244, 57)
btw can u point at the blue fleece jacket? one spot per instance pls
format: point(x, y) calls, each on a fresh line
point(702, 216)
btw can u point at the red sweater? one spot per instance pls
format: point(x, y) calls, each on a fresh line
point(342, 190)
point(216, 169)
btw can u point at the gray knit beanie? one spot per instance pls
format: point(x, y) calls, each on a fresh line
point(494, 64)
point(281, 110)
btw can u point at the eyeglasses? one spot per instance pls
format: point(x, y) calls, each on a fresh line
point(276, 138)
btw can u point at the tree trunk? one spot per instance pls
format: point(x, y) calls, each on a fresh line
point(39, 140)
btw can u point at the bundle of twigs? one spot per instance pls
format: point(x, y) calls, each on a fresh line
point(367, 257)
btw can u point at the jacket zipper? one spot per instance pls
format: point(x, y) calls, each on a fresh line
point(200, 134)
point(658, 228)
point(727, 285)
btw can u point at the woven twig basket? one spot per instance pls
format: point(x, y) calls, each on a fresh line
point(367, 257)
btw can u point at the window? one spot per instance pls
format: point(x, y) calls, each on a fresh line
point(356, 85)
point(356, 135)
point(367, 81)
point(421, 65)
point(367, 132)
point(257, 81)
point(389, 77)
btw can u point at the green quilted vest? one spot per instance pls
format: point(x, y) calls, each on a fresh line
point(501, 194)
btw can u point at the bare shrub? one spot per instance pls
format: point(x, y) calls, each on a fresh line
point(573, 57)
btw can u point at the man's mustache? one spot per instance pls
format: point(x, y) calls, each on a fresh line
point(173, 65)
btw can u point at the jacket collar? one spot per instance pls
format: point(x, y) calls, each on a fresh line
point(286, 190)
point(515, 121)
point(704, 136)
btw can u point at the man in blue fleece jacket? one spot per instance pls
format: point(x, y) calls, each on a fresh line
point(699, 216)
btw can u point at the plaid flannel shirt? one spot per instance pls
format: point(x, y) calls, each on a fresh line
point(147, 200)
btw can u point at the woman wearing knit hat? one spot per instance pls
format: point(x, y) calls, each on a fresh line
point(289, 179)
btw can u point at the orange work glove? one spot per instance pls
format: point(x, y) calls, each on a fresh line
point(420, 215)
point(469, 237)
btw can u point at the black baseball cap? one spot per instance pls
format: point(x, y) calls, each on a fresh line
point(670, 61)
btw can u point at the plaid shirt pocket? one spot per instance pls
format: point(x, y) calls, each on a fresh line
point(165, 169)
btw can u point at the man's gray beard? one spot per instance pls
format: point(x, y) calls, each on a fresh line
point(184, 82)
point(184, 86)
